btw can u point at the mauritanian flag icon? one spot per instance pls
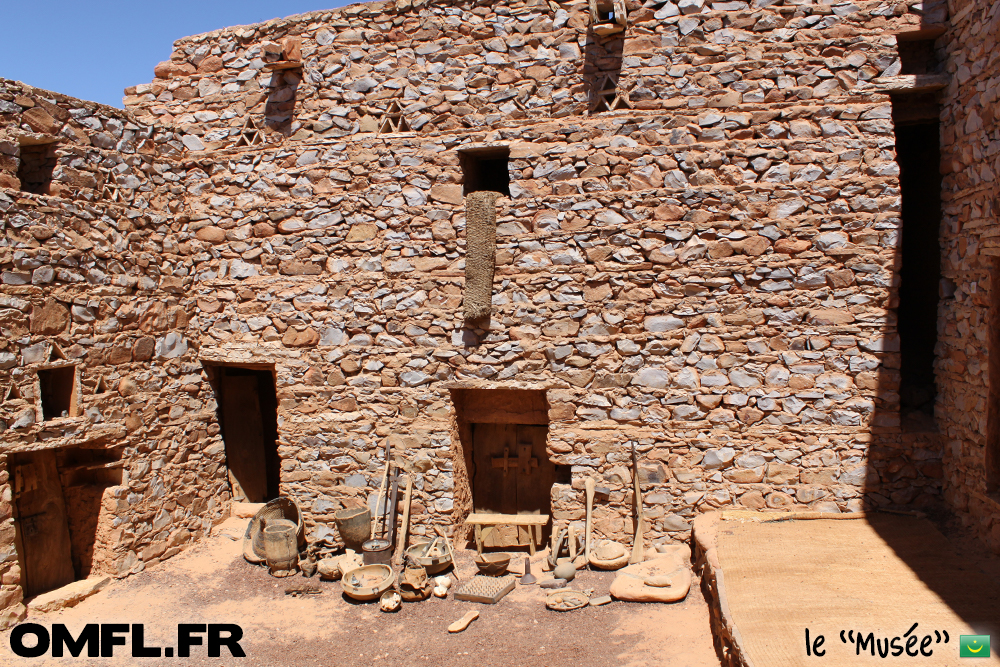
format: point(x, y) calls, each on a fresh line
point(974, 646)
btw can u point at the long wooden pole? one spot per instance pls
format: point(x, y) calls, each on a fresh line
point(401, 544)
point(637, 546)
point(380, 500)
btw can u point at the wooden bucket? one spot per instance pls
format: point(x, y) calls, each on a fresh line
point(355, 526)
point(280, 547)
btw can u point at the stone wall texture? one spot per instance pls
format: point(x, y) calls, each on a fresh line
point(709, 270)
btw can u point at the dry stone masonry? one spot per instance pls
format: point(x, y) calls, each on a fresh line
point(697, 250)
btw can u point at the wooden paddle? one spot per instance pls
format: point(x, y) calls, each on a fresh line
point(376, 515)
point(401, 544)
point(637, 546)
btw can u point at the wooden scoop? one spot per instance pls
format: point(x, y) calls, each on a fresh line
point(463, 623)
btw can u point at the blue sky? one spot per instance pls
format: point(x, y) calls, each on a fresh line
point(94, 50)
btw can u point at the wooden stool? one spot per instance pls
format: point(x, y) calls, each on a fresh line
point(484, 523)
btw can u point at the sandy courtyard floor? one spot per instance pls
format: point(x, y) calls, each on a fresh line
point(211, 583)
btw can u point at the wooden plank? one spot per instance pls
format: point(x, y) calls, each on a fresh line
point(911, 83)
point(492, 491)
point(508, 519)
point(534, 489)
point(42, 523)
point(504, 406)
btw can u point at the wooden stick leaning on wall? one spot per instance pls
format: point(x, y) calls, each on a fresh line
point(401, 543)
point(379, 500)
point(637, 545)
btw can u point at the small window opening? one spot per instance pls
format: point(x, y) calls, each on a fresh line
point(607, 16)
point(918, 155)
point(918, 56)
point(485, 169)
point(56, 387)
point(37, 164)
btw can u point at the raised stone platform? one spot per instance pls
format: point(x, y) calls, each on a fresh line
point(768, 577)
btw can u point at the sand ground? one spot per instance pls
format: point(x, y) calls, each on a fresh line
point(211, 583)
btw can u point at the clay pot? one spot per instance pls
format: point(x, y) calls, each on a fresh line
point(390, 601)
point(565, 570)
point(414, 585)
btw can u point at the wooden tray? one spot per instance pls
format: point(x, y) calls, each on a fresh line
point(488, 590)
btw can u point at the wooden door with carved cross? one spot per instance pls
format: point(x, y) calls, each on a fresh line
point(512, 474)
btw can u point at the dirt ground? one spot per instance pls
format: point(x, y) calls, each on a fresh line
point(212, 583)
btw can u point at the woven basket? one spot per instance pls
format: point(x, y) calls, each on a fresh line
point(279, 508)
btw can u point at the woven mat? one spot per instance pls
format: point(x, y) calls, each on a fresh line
point(881, 574)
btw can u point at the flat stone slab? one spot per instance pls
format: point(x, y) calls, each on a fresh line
point(240, 510)
point(664, 578)
point(69, 595)
point(234, 528)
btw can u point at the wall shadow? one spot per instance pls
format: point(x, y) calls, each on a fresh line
point(905, 469)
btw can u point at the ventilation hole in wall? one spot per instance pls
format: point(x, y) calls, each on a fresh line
point(35, 171)
point(250, 134)
point(606, 96)
point(57, 386)
point(111, 191)
point(485, 170)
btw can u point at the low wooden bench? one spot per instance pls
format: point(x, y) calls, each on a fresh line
point(485, 523)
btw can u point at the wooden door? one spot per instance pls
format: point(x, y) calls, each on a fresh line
point(243, 433)
point(511, 475)
point(42, 528)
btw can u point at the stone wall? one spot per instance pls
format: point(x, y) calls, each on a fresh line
point(709, 272)
point(74, 296)
point(969, 244)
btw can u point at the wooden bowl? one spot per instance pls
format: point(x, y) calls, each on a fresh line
point(368, 582)
point(566, 600)
point(492, 565)
point(608, 555)
point(434, 564)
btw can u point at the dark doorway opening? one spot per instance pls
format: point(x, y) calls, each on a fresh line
point(56, 388)
point(993, 401)
point(248, 417)
point(62, 528)
point(37, 164)
point(503, 463)
point(86, 475)
point(42, 530)
point(485, 169)
point(918, 156)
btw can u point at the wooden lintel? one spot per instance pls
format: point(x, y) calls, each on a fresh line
point(921, 33)
point(911, 83)
point(283, 64)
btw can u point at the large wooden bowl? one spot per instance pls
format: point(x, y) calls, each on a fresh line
point(433, 564)
point(608, 555)
point(368, 582)
point(493, 565)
